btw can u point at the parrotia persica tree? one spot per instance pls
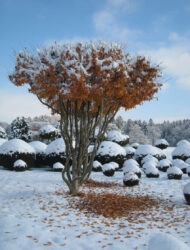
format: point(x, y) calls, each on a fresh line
point(86, 84)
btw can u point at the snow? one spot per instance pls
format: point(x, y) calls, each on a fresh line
point(2, 141)
point(46, 129)
point(38, 146)
point(149, 158)
point(129, 150)
point(107, 167)
point(19, 163)
point(130, 168)
point(135, 145)
point(161, 141)
point(180, 164)
point(130, 176)
point(182, 149)
point(58, 165)
point(163, 241)
point(164, 162)
point(186, 189)
point(57, 146)
point(96, 164)
point(151, 170)
point(188, 161)
point(183, 142)
point(174, 170)
point(16, 145)
point(149, 164)
point(34, 211)
point(148, 149)
point(115, 164)
point(2, 130)
point(110, 148)
point(117, 136)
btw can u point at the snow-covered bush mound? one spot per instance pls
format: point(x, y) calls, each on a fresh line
point(174, 173)
point(131, 166)
point(2, 141)
point(58, 167)
point(130, 151)
point(20, 165)
point(186, 192)
point(130, 179)
point(151, 171)
point(161, 143)
point(118, 137)
point(115, 164)
point(182, 151)
point(97, 166)
point(149, 158)
point(48, 133)
point(144, 150)
point(108, 169)
point(110, 151)
point(164, 164)
point(162, 241)
point(55, 152)
point(3, 134)
point(188, 161)
point(39, 148)
point(188, 170)
point(180, 164)
point(15, 149)
point(134, 145)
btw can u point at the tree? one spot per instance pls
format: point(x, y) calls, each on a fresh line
point(136, 135)
point(85, 84)
point(20, 129)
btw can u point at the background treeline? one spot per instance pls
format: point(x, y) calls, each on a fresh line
point(139, 131)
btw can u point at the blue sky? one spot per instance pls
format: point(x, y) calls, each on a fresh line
point(159, 30)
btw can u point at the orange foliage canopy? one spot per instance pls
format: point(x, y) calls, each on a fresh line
point(97, 73)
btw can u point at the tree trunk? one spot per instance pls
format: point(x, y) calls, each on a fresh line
point(74, 189)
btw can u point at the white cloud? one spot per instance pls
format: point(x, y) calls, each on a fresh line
point(14, 103)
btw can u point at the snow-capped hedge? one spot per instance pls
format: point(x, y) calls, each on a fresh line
point(149, 158)
point(130, 179)
point(15, 149)
point(144, 150)
point(55, 152)
point(39, 148)
point(48, 133)
point(130, 151)
point(110, 151)
point(20, 165)
point(97, 166)
point(108, 169)
point(151, 172)
point(174, 173)
point(186, 192)
point(182, 151)
point(118, 137)
point(161, 143)
point(164, 164)
point(134, 145)
point(131, 166)
point(58, 167)
point(181, 165)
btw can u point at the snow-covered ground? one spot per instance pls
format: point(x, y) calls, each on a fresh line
point(34, 214)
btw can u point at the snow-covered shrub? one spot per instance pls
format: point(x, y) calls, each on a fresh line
point(144, 150)
point(2, 141)
point(118, 137)
point(108, 169)
point(130, 179)
point(115, 164)
point(151, 171)
point(149, 158)
point(130, 151)
point(48, 133)
point(15, 149)
point(186, 192)
point(181, 165)
point(58, 167)
point(164, 164)
point(161, 143)
point(55, 152)
point(163, 241)
point(131, 166)
point(134, 145)
point(97, 166)
point(174, 173)
point(3, 134)
point(20, 129)
point(182, 151)
point(20, 165)
point(110, 151)
point(39, 148)
point(188, 171)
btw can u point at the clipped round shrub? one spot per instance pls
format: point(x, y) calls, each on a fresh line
point(48, 133)
point(2, 141)
point(115, 164)
point(181, 165)
point(149, 158)
point(144, 150)
point(151, 172)
point(58, 167)
point(130, 151)
point(161, 143)
point(174, 173)
point(182, 151)
point(186, 192)
point(20, 165)
point(16, 149)
point(131, 166)
point(188, 171)
point(39, 148)
point(118, 137)
point(110, 151)
point(55, 152)
point(97, 166)
point(3, 134)
point(108, 169)
point(130, 179)
point(164, 164)
point(134, 145)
